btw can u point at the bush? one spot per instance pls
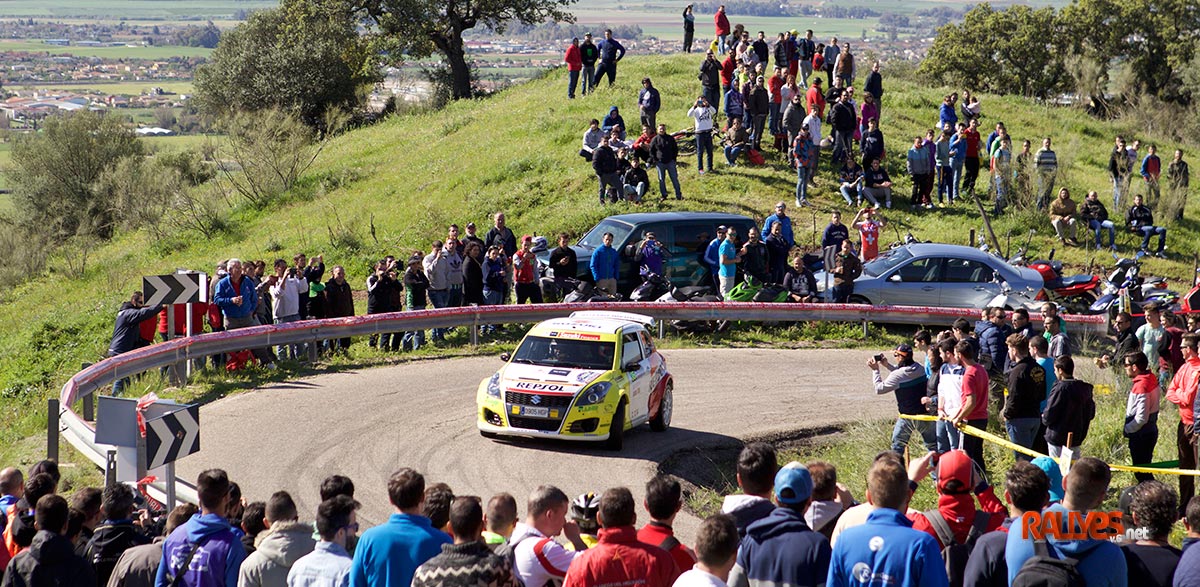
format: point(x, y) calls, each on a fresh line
point(268, 150)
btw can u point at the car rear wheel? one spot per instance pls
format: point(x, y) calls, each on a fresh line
point(666, 406)
point(854, 299)
point(616, 430)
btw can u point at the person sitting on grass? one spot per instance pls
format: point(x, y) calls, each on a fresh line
point(591, 139)
point(736, 141)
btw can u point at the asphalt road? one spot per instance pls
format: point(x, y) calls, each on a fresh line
point(366, 424)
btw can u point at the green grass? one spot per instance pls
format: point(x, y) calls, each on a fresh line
point(414, 174)
point(121, 52)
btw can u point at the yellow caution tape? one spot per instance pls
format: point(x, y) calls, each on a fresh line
point(988, 436)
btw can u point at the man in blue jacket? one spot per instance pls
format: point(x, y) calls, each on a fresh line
point(782, 218)
point(605, 265)
point(781, 549)
point(648, 103)
point(126, 336)
point(993, 351)
point(237, 297)
point(610, 53)
point(205, 550)
point(887, 550)
point(388, 555)
point(712, 256)
point(1100, 562)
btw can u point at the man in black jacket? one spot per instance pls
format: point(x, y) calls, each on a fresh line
point(1069, 410)
point(564, 262)
point(844, 120)
point(604, 163)
point(663, 153)
point(1141, 221)
point(588, 54)
point(710, 80)
point(51, 559)
point(1026, 390)
point(125, 336)
point(1126, 342)
point(1093, 212)
point(758, 107)
point(339, 302)
point(116, 534)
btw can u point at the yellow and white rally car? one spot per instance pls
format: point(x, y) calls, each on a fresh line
point(590, 376)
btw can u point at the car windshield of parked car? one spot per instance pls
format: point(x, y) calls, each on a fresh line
point(886, 261)
point(566, 353)
point(595, 237)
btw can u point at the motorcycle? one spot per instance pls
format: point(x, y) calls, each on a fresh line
point(1075, 294)
point(750, 290)
point(1125, 278)
point(694, 293)
point(586, 291)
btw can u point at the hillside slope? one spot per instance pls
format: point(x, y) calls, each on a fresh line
point(411, 176)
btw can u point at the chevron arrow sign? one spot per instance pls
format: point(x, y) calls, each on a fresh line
point(173, 436)
point(176, 288)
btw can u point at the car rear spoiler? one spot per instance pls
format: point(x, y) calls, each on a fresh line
point(608, 315)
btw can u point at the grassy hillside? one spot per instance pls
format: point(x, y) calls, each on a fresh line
point(411, 176)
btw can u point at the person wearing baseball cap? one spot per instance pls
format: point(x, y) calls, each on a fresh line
point(908, 381)
point(781, 549)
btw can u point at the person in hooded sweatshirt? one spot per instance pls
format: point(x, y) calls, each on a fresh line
point(1069, 410)
point(139, 564)
point(51, 558)
point(781, 549)
point(115, 534)
point(959, 486)
point(1026, 489)
point(285, 541)
point(613, 120)
point(755, 476)
point(1100, 562)
point(207, 538)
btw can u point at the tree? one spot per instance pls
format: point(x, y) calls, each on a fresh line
point(55, 174)
point(420, 27)
point(306, 57)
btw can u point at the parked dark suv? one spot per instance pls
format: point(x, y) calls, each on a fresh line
point(685, 234)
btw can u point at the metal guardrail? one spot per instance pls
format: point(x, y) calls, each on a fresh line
point(82, 434)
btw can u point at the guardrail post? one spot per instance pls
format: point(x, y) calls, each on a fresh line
point(313, 348)
point(662, 328)
point(866, 329)
point(475, 330)
point(52, 429)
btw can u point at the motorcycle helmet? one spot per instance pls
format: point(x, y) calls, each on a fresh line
point(540, 244)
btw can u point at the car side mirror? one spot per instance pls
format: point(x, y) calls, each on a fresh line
point(895, 278)
point(629, 251)
point(505, 357)
point(631, 366)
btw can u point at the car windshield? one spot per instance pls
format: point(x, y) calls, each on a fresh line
point(565, 352)
point(886, 261)
point(595, 237)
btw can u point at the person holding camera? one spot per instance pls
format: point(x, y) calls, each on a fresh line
point(383, 292)
point(908, 381)
point(704, 115)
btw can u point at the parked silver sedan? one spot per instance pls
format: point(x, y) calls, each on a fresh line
point(940, 275)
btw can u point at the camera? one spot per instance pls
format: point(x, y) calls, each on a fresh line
point(879, 358)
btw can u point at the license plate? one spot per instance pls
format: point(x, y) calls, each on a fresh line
point(535, 412)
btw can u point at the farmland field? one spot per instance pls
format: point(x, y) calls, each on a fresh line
point(121, 52)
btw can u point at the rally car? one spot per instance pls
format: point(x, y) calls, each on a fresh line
point(589, 377)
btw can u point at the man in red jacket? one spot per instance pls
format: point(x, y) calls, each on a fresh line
point(619, 559)
point(664, 497)
point(574, 61)
point(815, 98)
point(1182, 392)
point(722, 25)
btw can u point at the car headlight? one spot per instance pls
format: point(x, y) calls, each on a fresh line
point(594, 394)
point(493, 386)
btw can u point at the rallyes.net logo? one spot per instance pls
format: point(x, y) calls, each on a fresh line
point(1094, 525)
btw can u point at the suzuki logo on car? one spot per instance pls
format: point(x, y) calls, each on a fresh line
point(538, 386)
point(535, 400)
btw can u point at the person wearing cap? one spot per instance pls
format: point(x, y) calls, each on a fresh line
point(574, 67)
point(648, 103)
point(610, 53)
point(588, 54)
point(712, 256)
point(781, 549)
point(815, 98)
point(908, 381)
point(1026, 488)
point(886, 550)
point(780, 216)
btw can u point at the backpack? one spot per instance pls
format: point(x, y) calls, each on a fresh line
point(756, 157)
point(955, 554)
point(1044, 570)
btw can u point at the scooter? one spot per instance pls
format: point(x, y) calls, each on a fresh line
point(1075, 294)
point(1125, 278)
point(586, 291)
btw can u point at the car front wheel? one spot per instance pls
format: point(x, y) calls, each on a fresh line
point(616, 430)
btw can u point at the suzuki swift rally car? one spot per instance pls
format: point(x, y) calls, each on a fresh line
point(588, 377)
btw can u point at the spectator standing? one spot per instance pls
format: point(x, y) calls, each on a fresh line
point(606, 166)
point(843, 120)
point(689, 28)
point(844, 67)
point(1152, 561)
point(728, 69)
point(539, 558)
point(1095, 215)
point(664, 152)
point(780, 217)
point(775, 87)
point(1151, 170)
point(1141, 221)
point(886, 548)
point(710, 79)
point(1182, 393)
point(846, 268)
point(967, 508)
point(286, 541)
point(805, 154)
point(721, 24)
point(872, 146)
point(1069, 410)
point(1178, 177)
point(1141, 411)
point(285, 286)
point(126, 335)
point(704, 116)
point(237, 299)
point(416, 288)
point(716, 548)
point(383, 289)
point(812, 122)
point(329, 564)
point(868, 229)
point(777, 254)
point(758, 108)
point(390, 553)
point(206, 537)
point(815, 98)
point(729, 258)
point(835, 231)
point(574, 62)
point(908, 381)
point(1060, 342)
point(1026, 390)
point(947, 116)
point(619, 557)
point(805, 52)
point(564, 262)
point(781, 549)
point(1119, 169)
point(1026, 489)
point(1046, 163)
point(468, 561)
point(605, 265)
point(116, 534)
point(588, 55)
point(974, 408)
point(438, 270)
point(1099, 562)
point(949, 396)
point(138, 565)
point(712, 256)
point(832, 51)
point(829, 498)
point(525, 273)
point(974, 145)
point(51, 558)
point(664, 498)
point(649, 103)
point(1151, 335)
point(754, 257)
point(756, 469)
point(958, 159)
point(920, 165)
point(611, 52)
point(339, 302)
point(500, 519)
point(874, 86)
